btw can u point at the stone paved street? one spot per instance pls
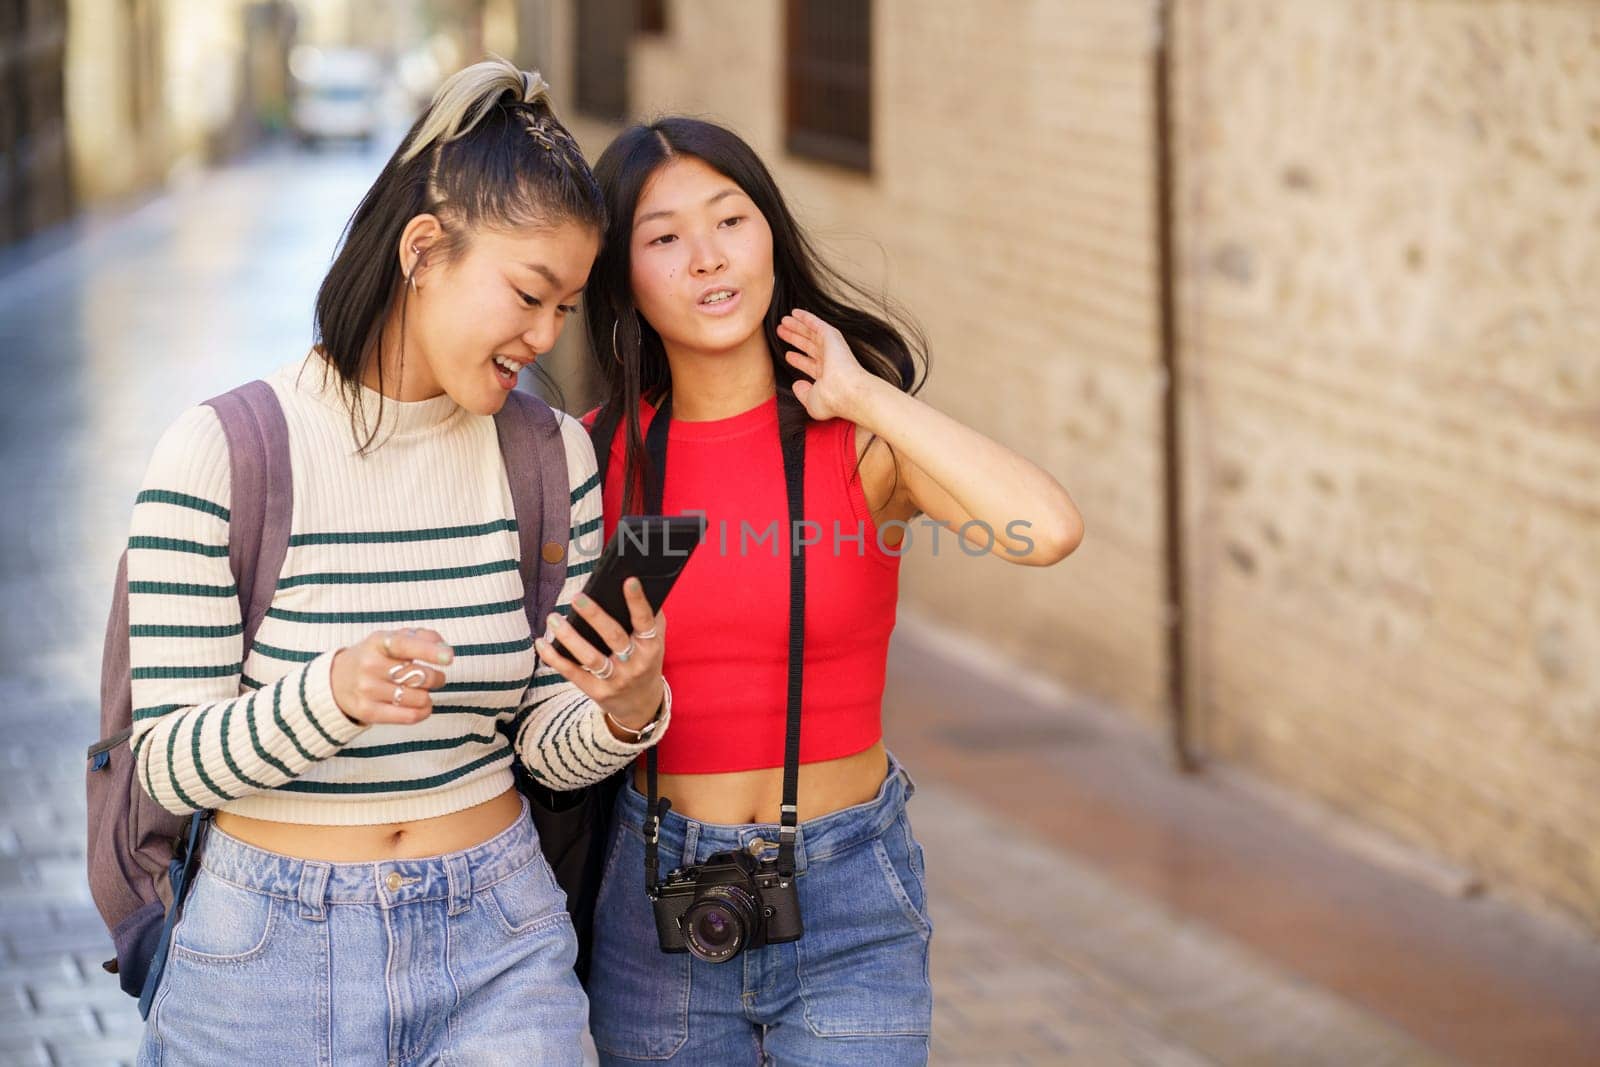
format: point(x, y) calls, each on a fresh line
point(105, 337)
point(1040, 956)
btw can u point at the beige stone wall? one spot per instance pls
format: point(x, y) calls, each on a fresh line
point(116, 133)
point(151, 88)
point(1391, 345)
point(1389, 217)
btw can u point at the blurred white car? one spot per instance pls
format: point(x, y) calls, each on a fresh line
point(336, 93)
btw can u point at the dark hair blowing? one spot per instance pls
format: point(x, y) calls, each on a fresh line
point(628, 352)
point(488, 152)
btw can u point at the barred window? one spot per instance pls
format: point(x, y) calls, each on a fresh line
point(828, 84)
point(604, 27)
point(604, 30)
point(652, 16)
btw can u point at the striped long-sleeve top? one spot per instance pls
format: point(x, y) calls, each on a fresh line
point(419, 532)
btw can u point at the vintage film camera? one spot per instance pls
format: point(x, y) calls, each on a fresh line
point(719, 908)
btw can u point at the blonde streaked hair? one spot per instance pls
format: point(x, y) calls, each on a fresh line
point(468, 95)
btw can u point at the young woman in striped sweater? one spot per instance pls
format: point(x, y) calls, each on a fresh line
point(709, 308)
point(372, 885)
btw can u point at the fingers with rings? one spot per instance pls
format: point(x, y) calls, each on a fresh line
point(644, 620)
point(414, 674)
point(387, 676)
point(422, 646)
point(625, 654)
point(407, 673)
point(581, 649)
point(578, 652)
point(411, 675)
point(610, 633)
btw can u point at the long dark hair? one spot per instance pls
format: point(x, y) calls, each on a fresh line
point(488, 152)
point(628, 352)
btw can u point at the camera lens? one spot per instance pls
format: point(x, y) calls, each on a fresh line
point(715, 929)
point(719, 923)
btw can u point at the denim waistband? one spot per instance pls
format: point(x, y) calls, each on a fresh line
point(816, 840)
point(453, 876)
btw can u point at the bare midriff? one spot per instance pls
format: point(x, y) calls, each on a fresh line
point(739, 797)
point(369, 844)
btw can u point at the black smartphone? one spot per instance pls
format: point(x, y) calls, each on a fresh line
point(651, 548)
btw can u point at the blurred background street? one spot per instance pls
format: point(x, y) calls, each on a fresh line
point(1296, 761)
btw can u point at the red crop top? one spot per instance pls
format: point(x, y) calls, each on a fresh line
point(727, 616)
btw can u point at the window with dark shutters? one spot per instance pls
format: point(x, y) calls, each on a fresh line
point(828, 81)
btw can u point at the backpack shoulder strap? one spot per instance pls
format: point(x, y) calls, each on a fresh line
point(262, 499)
point(116, 676)
point(536, 469)
point(259, 510)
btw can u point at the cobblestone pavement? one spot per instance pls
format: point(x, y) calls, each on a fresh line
point(130, 318)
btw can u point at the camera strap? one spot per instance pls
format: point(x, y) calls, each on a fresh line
point(793, 445)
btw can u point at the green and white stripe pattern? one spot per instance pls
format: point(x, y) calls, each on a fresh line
point(420, 532)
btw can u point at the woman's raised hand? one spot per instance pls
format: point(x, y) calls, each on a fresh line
point(837, 378)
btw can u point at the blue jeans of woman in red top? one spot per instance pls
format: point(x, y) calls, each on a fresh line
point(853, 989)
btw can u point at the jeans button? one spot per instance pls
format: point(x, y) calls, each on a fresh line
point(393, 881)
point(757, 846)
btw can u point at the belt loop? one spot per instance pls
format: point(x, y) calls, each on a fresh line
point(459, 874)
point(899, 771)
point(313, 889)
point(691, 843)
point(799, 848)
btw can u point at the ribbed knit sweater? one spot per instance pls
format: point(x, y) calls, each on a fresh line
point(419, 532)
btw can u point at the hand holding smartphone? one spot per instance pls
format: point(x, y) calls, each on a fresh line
point(652, 548)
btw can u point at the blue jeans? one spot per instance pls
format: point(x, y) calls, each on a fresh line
point(853, 990)
point(464, 958)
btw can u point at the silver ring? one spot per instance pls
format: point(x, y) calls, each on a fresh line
point(415, 674)
point(399, 691)
point(646, 635)
point(604, 671)
point(626, 654)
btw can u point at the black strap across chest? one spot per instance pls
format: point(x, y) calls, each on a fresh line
point(793, 447)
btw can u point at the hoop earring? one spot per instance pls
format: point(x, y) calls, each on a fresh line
point(616, 351)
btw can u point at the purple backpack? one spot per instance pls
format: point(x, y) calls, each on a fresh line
point(141, 855)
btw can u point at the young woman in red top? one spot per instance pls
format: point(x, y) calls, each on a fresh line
point(708, 296)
